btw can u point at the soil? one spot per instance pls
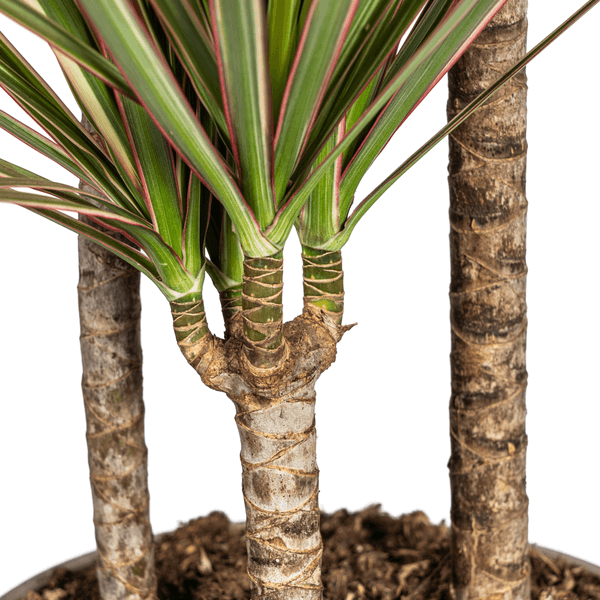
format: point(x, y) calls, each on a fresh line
point(367, 555)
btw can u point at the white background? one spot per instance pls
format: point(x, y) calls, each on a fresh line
point(382, 410)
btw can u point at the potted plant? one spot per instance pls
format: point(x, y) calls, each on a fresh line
point(259, 352)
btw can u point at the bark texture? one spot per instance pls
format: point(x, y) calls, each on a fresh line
point(488, 211)
point(111, 352)
point(275, 417)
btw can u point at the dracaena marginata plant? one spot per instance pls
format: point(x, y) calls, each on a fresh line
point(220, 127)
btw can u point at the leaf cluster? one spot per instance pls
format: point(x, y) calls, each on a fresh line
point(219, 126)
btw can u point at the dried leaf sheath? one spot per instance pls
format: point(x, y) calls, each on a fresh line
point(488, 312)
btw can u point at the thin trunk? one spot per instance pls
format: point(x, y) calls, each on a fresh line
point(269, 371)
point(109, 310)
point(488, 211)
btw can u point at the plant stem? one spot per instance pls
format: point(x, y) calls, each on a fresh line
point(323, 280)
point(262, 310)
point(488, 314)
point(269, 371)
point(280, 483)
point(191, 327)
point(111, 353)
point(231, 307)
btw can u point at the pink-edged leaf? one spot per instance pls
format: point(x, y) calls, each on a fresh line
point(156, 168)
point(38, 100)
point(144, 66)
point(242, 52)
point(95, 98)
point(65, 42)
point(327, 24)
point(191, 40)
point(38, 142)
point(168, 266)
point(15, 177)
point(130, 255)
point(464, 23)
point(337, 242)
point(29, 200)
point(368, 60)
point(412, 93)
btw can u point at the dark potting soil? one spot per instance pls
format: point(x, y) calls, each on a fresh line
point(367, 555)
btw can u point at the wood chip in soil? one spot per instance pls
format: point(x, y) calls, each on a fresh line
point(368, 555)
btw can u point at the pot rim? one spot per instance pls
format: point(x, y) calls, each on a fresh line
point(85, 560)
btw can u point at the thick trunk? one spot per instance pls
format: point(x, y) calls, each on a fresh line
point(280, 483)
point(109, 310)
point(269, 370)
point(488, 315)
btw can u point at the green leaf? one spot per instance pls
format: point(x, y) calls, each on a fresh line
point(40, 143)
point(29, 200)
point(370, 18)
point(156, 168)
point(156, 87)
point(231, 255)
point(343, 92)
point(460, 27)
point(319, 219)
point(135, 258)
point(95, 98)
point(431, 16)
point(36, 98)
point(193, 251)
point(193, 44)
point(326, 27)
point(219, 279)
point(355, 112)
point(337, 242)
point(240, 33)
point(67, 43)
point(283, 33)
point(168, 264)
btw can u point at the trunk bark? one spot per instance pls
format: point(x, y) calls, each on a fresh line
point(280, 484)
point(488, 316)
point(111, 352)
point(269, 370)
